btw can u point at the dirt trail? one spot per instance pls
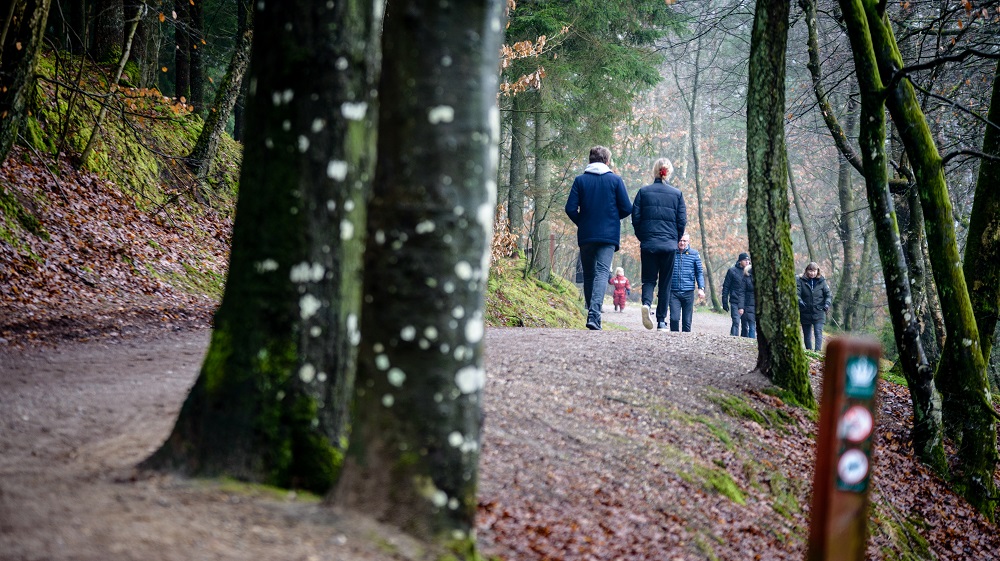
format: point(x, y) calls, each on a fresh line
point(597, 445)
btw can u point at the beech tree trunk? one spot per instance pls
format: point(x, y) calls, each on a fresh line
point(270, 403)
point(541, 194)
point(780, 351)
point(182, 50)
point(964, 386)
point(414, 452)
point(24, 27)
point(927, 432)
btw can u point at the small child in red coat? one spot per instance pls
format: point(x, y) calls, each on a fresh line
point(622, 289)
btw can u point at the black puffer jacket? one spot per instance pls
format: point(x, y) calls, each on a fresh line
point(659, 216)
point(732, 287)
point(814, 299)
point(747, 299)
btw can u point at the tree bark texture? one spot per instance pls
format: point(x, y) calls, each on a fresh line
point(205, 148)
point(518, 166)
point(801, 214)
point(927, 432)
point(414, 452)
point(982, 249)
point(24, 28)
point(843, 307)
point(270, 403)
point(182, 50)
point(109, 31)
point(541, 194)
point(780, 355)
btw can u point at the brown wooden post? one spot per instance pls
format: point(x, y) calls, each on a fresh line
point(838, 528)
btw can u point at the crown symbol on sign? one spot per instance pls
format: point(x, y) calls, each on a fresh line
point(862, 372)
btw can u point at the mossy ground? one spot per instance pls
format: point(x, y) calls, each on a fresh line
point(515, 301)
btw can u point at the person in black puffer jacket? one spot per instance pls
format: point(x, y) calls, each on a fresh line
point(659, 218)
point(732, 291)
point(814, 301)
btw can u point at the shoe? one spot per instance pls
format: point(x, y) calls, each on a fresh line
point(593, 326)
point(661, 326)
point(647, 321)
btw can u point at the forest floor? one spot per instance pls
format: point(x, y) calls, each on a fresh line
point(617, 444)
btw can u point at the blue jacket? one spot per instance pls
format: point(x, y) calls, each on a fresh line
point(688, 274)
point(659, 216)
point(597, 203)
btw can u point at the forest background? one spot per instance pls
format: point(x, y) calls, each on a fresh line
point(648, 79)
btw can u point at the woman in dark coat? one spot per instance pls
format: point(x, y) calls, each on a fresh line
point(748, 306)
point(814, 301)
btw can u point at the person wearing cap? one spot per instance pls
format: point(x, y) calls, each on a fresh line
point(732, 292)
point(688, 276)
point(659, 218)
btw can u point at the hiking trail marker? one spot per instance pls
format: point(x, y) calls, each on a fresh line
point(839, 516)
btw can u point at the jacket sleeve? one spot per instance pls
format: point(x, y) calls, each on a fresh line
point(682, 219)
point(737, 293)
point(573, 203)
point(624, 205)
point(798, 289)
point(699, 273)
point(827, 297)
point(637, 214)
point(725, 291)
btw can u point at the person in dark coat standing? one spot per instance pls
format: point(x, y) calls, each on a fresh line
point(732, 289)
point(659, 218)
point(688, 276)
point(597, 203)
point(814, 302)
point(748, 306)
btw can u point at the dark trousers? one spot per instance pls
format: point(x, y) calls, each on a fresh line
point(681, 309)
point(657, 264)
point(808, 329)
point(596, 259)
point(748, 324)
point(734, 314)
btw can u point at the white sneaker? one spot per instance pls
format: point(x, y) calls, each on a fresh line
point(647, 320)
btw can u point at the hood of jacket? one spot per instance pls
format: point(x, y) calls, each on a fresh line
point(600, 168)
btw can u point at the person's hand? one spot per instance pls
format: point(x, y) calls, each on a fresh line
point(701, 293)
point(740, 311)
point(725, 307)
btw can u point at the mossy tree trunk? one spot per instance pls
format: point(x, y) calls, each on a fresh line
point(964, 386)
point(24, 27)
point(205, 148)
point(414, 452)
point(982, 250)
point(780, 355)
point(843, 306)
point(927, 433)
point(270, 403)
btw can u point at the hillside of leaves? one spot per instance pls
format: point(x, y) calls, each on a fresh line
point(129, 241)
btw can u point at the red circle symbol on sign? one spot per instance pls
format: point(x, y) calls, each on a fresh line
point(856, 424)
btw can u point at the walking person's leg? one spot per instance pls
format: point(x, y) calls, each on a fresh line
point(648, 274)
point(818, 326)
point(587, 257)
point(734, 314)
point(687, 310)
point(666, 272)
point(807, 331)
point(603, 254)
point(675, 311)
point(750, 319)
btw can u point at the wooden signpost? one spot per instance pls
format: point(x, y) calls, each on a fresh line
point(838, 529)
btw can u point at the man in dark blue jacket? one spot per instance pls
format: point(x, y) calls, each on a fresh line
point(597, 203)
point(732, 292)
point(688, 276)
point(659, 218)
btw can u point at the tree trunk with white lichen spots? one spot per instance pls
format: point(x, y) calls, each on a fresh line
point(414, 451)
point(271, 401)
